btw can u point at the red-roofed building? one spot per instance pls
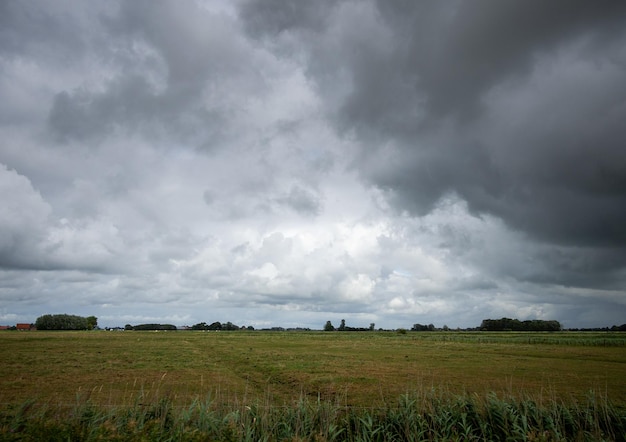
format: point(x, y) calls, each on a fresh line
point(23, 326)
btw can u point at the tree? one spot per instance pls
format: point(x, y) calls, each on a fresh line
point(200, 326)
point(329, 326)
point(342, 327)
point(92, 322)
point(420, 327)
point(517, 325)
point(62, 322)
point(144, 327)
point(372, 325)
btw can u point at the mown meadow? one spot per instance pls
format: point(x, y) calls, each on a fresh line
point(312, 385)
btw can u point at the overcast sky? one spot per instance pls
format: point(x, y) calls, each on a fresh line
point(285, 163)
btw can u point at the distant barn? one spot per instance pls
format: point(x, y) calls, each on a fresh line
point(23, 326)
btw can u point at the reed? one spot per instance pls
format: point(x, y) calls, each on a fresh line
point(429, 415)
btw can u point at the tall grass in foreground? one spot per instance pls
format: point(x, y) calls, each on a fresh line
point(429, 416)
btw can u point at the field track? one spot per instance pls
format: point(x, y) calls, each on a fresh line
point(359, 369)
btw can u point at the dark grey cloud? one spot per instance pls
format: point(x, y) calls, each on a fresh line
point(271, 17)
point(22, 222)
point(557, 173)
point(302, 200)
point(561, 182)
point(84, 115)
point(580, 267)
point(458, 51)
point(30, 239)
point(36, 28)
point(175, 72)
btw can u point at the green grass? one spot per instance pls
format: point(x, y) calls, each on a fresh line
point(312, 385)
point(361, 368)
point(593, 339)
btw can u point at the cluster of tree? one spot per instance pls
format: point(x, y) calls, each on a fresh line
point(66, 322)
point(219, 326)
point(282, 329)
point(215, 326)
point(330, 327)
point(421, 327)
point(144, 327)
point(517, 325)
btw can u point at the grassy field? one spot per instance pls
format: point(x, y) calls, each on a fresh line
point(358, 369)
point(276, 386)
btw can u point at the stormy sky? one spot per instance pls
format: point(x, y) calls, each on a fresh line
point(285, 163)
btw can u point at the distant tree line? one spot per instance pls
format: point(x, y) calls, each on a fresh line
point(74, 322)
point(517, 325)
point(503, 324)
point(421, 327)
point(343, 327)
point(596, 329)
point(144, 327)
point(215, 326)
point(66, 322)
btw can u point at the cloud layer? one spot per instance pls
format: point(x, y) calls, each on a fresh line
point(278, 163)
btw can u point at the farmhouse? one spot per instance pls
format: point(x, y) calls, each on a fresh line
point(23, 326)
